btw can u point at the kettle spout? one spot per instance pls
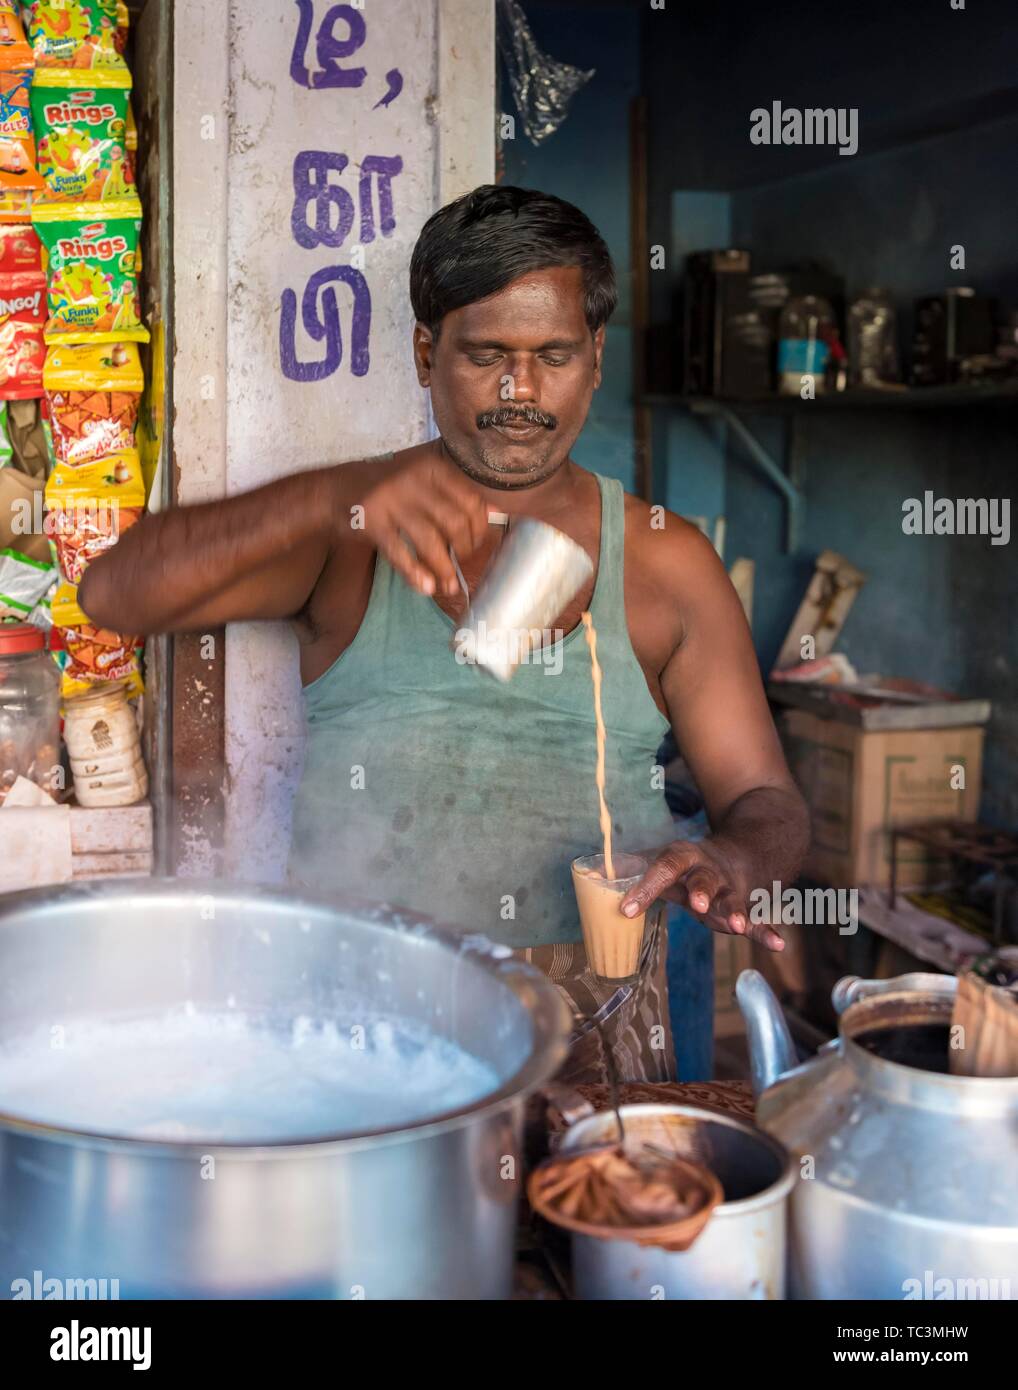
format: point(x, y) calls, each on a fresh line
point(771, 1049)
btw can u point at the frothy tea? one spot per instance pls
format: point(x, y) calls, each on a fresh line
point(612, 942)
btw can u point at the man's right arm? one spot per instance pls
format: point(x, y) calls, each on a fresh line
point(260, 554)
point(256, 555)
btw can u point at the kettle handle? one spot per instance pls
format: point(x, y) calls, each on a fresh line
point(852, 988)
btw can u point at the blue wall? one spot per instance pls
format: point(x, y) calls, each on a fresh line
point(935, 608)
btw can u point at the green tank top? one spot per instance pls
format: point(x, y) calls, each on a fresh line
point(431, 786)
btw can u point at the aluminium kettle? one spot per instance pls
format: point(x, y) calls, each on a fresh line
point(908, 1177)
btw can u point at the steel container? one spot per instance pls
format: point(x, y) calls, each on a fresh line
point(739, 1255)
point(909, 1177)
point(423, 1211)
point(531, 580)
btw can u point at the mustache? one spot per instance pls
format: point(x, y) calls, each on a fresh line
point(516, 414)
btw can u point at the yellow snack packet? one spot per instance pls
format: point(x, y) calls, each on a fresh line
point(93, 367)
point(115, 480)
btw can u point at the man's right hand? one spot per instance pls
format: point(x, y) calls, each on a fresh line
point(416, 511)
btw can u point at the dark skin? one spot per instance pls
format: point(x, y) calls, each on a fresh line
point(511, 380)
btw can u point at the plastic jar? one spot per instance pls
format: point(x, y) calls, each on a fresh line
point(29, 709)
point(101, 734)
point(804, 329)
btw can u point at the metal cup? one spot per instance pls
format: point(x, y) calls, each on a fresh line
point(531, 580)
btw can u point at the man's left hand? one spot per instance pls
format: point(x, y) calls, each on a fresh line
point(709, 877)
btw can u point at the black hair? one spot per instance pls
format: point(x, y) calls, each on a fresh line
point(479, 243)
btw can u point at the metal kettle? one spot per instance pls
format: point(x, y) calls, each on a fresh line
point(908, 1181)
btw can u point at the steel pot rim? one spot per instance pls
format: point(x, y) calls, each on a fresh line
point(546, 1009)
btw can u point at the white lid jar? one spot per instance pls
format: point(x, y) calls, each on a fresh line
point(104, 747)
point(29, 710)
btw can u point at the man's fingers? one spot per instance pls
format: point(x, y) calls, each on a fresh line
point(703, 884)
point(432, 552)
point(404, 562)
point(670, 864)
point(765, 935)
point(465, 514)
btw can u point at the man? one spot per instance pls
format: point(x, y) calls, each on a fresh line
point(427, 783)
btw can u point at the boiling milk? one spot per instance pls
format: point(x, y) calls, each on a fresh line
point(204, 1076)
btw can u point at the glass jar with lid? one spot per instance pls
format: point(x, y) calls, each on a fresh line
point(29, 710)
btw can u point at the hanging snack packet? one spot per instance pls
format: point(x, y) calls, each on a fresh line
point(91, 653)
point(22, 323)
point(89, 508)
point(20, 182)
point(14, 50)
point(116, 480)
point(80, 127)
point(93, 391)
point(20, 248)
point(93, 284)
point(23, 581)
point(81, 532)
point(74, 33)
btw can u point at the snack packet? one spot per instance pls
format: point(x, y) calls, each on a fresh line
point(15, 52)
point(86, 653)
point(116, 480)
point(94, 654)
point(80, 533)
point(20, 247)
point(93, 285)
point(23, 582)
point(22, 325)
point(80, 127)
point(93, 393)
point(20, 182)
point(74, 33)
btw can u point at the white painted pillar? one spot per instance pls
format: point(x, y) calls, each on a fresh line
point(304, 80)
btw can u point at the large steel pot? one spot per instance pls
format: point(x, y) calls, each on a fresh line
point(423, 1211)
point(909, 1176)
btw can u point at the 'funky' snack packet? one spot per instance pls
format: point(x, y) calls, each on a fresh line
point(80, 125)
point(91, 251)
point(86, 653)
point(93, 392)
point(75, 33)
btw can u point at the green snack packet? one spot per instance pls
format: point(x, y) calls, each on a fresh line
point(6, 452)
point(79, 32)
point(80, 125)
point(23, 582)
point(92, 282)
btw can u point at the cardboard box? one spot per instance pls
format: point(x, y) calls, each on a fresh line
point(858, 783)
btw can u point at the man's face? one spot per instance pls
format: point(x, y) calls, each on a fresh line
point(511, 377)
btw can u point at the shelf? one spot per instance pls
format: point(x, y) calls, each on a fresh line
point(912, 398)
